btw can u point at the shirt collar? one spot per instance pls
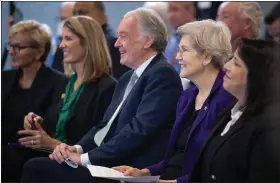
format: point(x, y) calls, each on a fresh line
point(236, 112)
point(139, 71)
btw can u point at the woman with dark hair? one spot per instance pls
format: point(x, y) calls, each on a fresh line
point(243, 147)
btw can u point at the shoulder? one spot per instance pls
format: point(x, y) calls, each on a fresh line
point(106, 82)
point(161, 69)
point(8, 73)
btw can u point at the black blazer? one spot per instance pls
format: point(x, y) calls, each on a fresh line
point(248, 152)
point(138, 137)
point(88, 112)
point(44, 91)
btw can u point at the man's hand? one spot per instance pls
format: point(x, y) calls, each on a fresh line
point(130, 171)
point(75, 157)
point(60, 152)
point(37, 138)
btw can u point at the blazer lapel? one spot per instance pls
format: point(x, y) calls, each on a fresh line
point(180, 119)
point(155, 60)
point(203, 111)
point(86, 96)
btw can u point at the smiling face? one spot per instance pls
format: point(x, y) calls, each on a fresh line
point(189, 59)
point(235, 79)
point(25, 56)
point(130, 42)
point(72, 49)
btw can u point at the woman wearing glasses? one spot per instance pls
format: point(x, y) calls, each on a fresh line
point(204, 48)
point(30, 86)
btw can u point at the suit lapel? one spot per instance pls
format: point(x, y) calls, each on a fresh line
point(86, 96)
point(155, 60)
point(204, 110)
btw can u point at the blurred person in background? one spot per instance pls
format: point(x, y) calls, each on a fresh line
point(162, 9)
point(204, 48)
point(179, 13)
point(244, 19)
point(244, 146)
point(96, 10)
point(30, 87)
point(66, 11)
point(272, 20)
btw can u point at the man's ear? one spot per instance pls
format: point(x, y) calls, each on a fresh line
point(148, 41)
point(247, 24)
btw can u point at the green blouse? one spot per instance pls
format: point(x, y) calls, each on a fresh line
point(69, 103)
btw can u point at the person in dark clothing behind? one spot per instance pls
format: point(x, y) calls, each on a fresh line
point(31, 87)
point(66, 11)
point(96, 10)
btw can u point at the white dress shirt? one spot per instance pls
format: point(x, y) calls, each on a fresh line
point(235, 115)
point(139, 71)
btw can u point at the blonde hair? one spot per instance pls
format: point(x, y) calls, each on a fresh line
point(151, 24)
point(37, 35)
point(97, 60)
point(209, 37)
point(252, 11)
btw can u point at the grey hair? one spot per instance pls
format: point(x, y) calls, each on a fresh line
point(152, 25)
point(162, 9)
point(252, 11)
point(209, 37)
point(69, 3)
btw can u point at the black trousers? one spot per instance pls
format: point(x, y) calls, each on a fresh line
point(13, 159)
point(47, 170)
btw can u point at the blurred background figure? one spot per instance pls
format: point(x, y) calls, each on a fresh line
point(272, 20)
point(179, 14)
point(207, 9)
point(66, 11)
point(96, 10)
point(244, 19)
point(162, 9)
point(31, 87)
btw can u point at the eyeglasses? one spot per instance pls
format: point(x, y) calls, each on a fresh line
point(181, 50)
point(17, 48)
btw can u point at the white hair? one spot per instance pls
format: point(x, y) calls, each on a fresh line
point(252, 11)
point(162, 9)
point(69, 3)
point(152, 25)
point(209, 37)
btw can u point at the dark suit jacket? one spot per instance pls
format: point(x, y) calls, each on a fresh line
point(44, 91)
point(118, 70)
point(217, 100)
point(248, 152)
point(138, 136)
point(88, 112)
